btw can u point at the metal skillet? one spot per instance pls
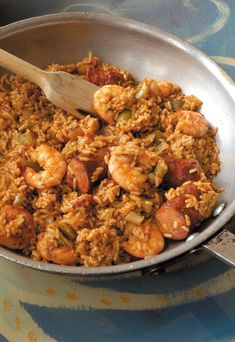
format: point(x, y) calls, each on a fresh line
point(144, 51)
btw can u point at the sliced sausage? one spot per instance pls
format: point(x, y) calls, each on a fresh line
point(82, 170)
point(171, 216)
point(181, 171)
point(102, 77)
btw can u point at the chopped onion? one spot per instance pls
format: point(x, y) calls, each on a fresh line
point(26, 138)
point(134, 217)
point(142, 91)
point(19, 199)
point(160, 171)
point(162, 146)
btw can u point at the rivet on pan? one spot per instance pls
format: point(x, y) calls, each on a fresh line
point(218, 209)
point(192, 236)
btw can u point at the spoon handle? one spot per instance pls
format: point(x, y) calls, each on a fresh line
point(68, 92)
point(21, 68)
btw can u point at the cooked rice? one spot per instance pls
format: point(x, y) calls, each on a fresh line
point(98, 220)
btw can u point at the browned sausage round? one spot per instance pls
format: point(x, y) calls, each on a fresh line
point(181, 171)
point(102, 77)
point(171, 216)
point(82, 170)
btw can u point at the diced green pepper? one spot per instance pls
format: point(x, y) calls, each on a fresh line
point(159, 135)
point(160, 171)
point(7, 87)
point(124, 116)
point(68, 232)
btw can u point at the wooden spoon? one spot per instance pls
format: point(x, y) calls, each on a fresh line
point(64, 90)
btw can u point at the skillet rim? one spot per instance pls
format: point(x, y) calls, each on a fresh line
point(142, 28)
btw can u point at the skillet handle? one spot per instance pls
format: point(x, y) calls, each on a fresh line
point(222, 246)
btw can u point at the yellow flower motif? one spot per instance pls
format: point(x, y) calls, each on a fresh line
point(7, 305)
point(72, 296)
point(106, 301)
point(126, 299)
point(18, 323)
point(198, 292)
point(32, 337)
point(51, 291)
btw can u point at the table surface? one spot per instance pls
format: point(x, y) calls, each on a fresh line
point(192, 301)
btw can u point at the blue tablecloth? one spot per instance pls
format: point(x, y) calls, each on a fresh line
point(195, 299)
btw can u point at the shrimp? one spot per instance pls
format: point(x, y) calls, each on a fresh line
point(127, 165)
point(143, 240)
point(47, 246)
point(54, 168)
point(162, 88)
point(149, 88)
point(175, 219)
point(110, 100)
point(130, 179)
point(17, 229)
point(190, 123)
